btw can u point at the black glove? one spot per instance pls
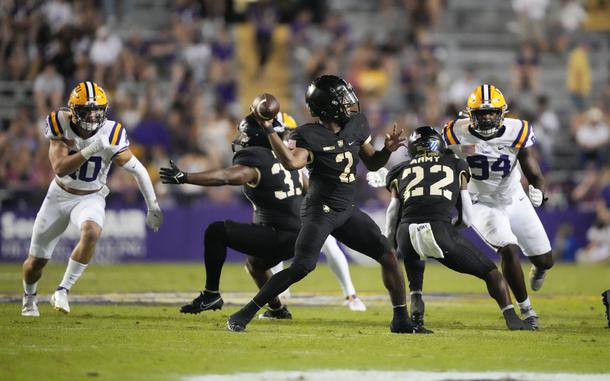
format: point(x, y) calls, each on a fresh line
point(172, 175)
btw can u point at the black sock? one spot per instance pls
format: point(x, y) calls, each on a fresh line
point(415, 272)
point(400, 313)
point(215, 253)
point(275, 304)
point(249, 310)
point(277, 284)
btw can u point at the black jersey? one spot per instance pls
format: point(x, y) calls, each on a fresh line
point(428, 187)
point(278, 193)
point(333, 160)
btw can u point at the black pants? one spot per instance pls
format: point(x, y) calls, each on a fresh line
point(265, 246)
point(352, 227)
point(460, 254)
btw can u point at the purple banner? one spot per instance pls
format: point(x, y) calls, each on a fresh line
point(126, 239)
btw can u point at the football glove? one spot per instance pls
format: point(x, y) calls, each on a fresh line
point(377, 179)
point(172, 175)
point(154, 218)
point(536, 196)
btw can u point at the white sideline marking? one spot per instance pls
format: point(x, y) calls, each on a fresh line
point(374, 375)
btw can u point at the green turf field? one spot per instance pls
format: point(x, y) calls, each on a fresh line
point(155, 342)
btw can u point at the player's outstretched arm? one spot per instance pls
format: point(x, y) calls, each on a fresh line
point(533, 174)
point(234, 175)
point(126, 160)
point(373, 160)
point(391, 218)
point(64, 164)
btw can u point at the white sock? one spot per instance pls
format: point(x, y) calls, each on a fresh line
point(338, 264)
point(73, 272)
point(510, 306)
point(30, 289)
point(525, 305)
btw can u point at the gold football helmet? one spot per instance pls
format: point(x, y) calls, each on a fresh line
point(88, 105)
point(486, 107)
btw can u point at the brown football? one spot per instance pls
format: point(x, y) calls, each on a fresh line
point(265, 106)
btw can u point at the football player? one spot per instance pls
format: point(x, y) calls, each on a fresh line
point(331, 148)
point(425, 189)
point(504, 217)
point(83, 146)
point(334, 255)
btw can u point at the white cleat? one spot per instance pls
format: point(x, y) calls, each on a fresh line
point(59, 301)
point(536, 278)
point(30, 306)
point(355, 304)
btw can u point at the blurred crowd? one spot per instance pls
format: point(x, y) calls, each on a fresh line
point(176, 89)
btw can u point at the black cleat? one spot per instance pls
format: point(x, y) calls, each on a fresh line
point(202, 303)
point(513, 323)
point(236, 323)
point(280, 313)
point(532, 322)
point(417, 309)
point(406, 326)
point(606, 301)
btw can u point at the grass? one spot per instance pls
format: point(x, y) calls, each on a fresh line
point(135, 342)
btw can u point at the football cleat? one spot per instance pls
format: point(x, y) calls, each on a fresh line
point(236, 323)
point(536, 278)
point(202, 303)
point(281, 314)
point(30, 306)
point(532, 321)
point(513, 322)
point(417, 309)
point(406, 326)
point(59, 300)
point(355, 304)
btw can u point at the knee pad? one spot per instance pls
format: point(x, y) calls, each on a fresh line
point(216, 231)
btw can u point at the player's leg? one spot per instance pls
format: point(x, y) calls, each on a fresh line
point(88, 215)
point(460, 255)
point(532, 238)
point(338, 264)
point(415, 268)
point(260, 271)
point(315, 227)
point(50, 223)
point(361, 233)
point(276, 269)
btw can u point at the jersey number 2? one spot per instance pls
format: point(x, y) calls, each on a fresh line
point(346, 176)
point(436, 189)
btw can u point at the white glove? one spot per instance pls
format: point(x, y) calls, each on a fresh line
point(100, 143)
point(377, 179)
point(154, 218)
point(536, 196)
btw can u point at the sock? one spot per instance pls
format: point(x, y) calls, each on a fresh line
point(30, 289)
point(338, 264)
point(525, 305)
point(73, 271)
point(510, 306)
point(249, 310)
point(275, 304)
point(400, 312)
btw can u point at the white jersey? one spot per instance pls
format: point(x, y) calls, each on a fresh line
point(493, 163)
point(92, 174)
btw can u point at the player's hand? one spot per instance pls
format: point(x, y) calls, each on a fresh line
point(536, 196)
point(394, 139)
point(377, 179)
point(154, 218)
point(172, 175)
point(100, 143)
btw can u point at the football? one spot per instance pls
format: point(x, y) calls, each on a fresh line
point(265, 106)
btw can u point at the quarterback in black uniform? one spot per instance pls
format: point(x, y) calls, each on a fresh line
point(330, 149)
point(276, 195)
point(425, 190)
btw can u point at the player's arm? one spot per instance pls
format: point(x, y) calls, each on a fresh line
point(533, 174)
point(63, 164)
point(391, 217)
point(464, 205)
point(127, 160)
point(372, 159)
point(291, 159)
point(234, 175)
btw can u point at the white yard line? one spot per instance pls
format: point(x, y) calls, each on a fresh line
point(375, 375)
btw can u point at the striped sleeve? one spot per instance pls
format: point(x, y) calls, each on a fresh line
point(525, 137)
point(449, 134)
point(53, 128)
point(118, 138)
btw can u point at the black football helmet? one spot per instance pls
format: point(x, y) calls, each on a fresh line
point(331, 98)
point(425, 140)
point(250, 133)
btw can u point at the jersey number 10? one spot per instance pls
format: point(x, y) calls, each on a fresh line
point(436, 189)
